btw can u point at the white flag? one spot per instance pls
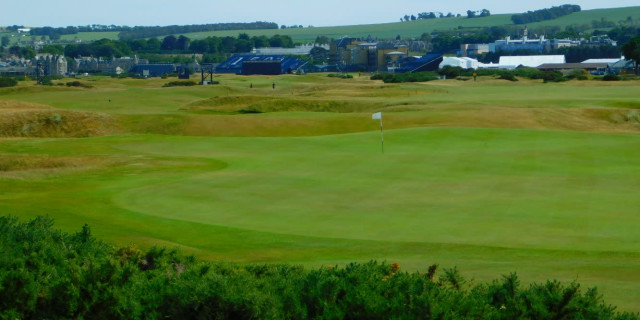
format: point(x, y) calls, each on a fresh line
point(376, 116)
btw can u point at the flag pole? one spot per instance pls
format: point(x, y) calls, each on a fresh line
point(375, 116)
point(381, 135)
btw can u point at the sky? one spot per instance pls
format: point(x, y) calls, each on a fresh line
point(60, 13)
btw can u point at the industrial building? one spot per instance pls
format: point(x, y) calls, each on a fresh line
point(152, 70)
point(260, 64)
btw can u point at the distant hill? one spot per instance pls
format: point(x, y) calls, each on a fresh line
point(414, 29)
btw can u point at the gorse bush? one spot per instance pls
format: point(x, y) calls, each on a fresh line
point(7, 82)
point(46, 273)
point(185, 83)
point(340, 75)
point(405, 77)
point(78, 84)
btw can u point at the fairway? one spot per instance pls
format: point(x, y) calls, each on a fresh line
point(491, 177)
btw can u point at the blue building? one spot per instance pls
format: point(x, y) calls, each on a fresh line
point(153, 70)
point(235, 64)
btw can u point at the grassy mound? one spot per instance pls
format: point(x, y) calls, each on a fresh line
point(32, 120)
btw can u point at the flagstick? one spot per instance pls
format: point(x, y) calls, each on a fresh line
point(381, 135)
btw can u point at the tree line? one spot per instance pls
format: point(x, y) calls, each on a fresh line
point(147, 32)
point(545, 14)
point(441, 15)
point(215, 49)
point(47, 273)
point(139, 32)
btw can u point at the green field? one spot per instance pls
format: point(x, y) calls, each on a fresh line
point(489, 176)
point(412, 29)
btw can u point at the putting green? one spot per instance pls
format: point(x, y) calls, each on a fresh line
point(506, 188)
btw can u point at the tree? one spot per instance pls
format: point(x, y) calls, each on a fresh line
point(485, 13)
point(169, 43)
point(319, 54)
point(320, 40)
point(5, 41)
point(183, 43)
point(15, 50)
point(471, 14)
point(631, 50)
point(52, 49)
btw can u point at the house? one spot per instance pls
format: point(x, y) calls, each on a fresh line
point(351, 54)
point(52, 65)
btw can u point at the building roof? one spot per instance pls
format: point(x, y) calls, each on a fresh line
point(602, 60)
point(571, 66)
point(531, 61)
point(234, 64)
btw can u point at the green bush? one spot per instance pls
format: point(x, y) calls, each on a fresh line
point(185, 83)
point(579, 74)
point(78, 84)
point(340, 75)
point(507, 75)
point(405, 77)
point(553, 76)
point(7, 82)
point(46, 273)
point(451, 72)
point(611, 77)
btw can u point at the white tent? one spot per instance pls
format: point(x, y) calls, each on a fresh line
point(464, 62)
point(531, 61)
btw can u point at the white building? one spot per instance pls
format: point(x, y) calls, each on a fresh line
point(531, 61)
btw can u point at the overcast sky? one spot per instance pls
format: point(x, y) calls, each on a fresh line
point(57, 13)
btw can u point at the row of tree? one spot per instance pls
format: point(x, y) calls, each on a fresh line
point(147, 32)
point(440, 15)
point(49, 274)
point(140, 32)
point(545, 14)
point(216, 48)
point(428, 15)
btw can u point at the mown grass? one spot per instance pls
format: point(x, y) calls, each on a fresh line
point(491, 176)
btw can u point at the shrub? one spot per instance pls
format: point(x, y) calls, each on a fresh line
point(553, 76)
point(78, 84)
point(185, 83)
point(405, 77)
point(341, 75)
point(579, 74)
point(47, 273)
point(450, 72)
point(507, 76)
point(7, 82)
point(611, 77)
